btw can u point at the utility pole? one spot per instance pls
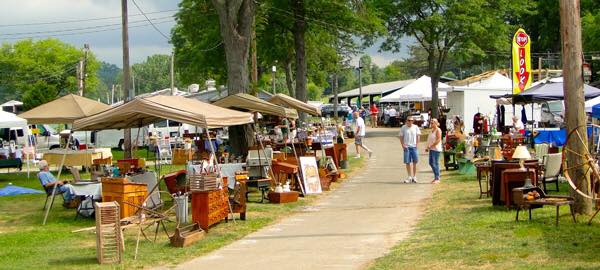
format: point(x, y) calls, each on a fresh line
point(572, 62)
point(360, 97)
point(540, 68)
point(273, 70)
point(133, 83)
point(173, 73)
point(335, 95)
point(81, 70)
point(112, 95)
point(127, 93)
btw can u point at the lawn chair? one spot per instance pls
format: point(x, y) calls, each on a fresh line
point(552, 164)
point(48, 191)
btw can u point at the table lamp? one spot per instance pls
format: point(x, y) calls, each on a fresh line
point(522, 154)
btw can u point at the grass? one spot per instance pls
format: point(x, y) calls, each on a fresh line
point(460, 231)
point(141, 152)
point(26, 244)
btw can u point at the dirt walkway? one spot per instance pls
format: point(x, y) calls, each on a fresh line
point(347, 229)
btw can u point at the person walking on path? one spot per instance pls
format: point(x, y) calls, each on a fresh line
point(374, 115)
point(409, 138)
point(359, 135)
point(434, 146)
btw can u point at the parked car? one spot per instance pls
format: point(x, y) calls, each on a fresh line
point(342, 109)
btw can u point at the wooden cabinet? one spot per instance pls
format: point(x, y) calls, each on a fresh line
point(209, 207)
point(514, 178)
point(121, 190)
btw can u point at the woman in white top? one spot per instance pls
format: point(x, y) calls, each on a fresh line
point(434, 146)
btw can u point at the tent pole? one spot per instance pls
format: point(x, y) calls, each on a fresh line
point(218, 169)
point(62, 163)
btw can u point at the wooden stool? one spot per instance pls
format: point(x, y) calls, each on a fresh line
point(483, 170)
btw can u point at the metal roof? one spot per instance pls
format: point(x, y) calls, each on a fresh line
point(376, 89)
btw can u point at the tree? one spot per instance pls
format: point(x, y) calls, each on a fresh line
point(314, 92)
point(441, 26)
point(153, 74)
point(43, 70)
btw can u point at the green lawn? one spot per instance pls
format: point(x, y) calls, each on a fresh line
point(460, 231)
point(26, 244)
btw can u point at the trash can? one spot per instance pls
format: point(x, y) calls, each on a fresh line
point(182, 210)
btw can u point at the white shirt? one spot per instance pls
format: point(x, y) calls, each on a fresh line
point(518, 126)
point(360, 124)
point(386, 112)
point(393, 112)
point(409, 135)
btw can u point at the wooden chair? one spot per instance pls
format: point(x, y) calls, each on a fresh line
point(552, 165)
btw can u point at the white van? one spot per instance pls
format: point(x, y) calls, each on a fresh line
point(45, 136)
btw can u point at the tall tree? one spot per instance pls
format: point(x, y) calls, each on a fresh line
point(440, 26)
point(153, 74)
point(236, 18)
point(40, 71)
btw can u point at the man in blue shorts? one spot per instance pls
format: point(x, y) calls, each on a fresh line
point(409, 138)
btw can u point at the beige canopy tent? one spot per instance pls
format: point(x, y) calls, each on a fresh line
point(290, 102)
point(144, 111)
point(254, 104)
point(64, 110)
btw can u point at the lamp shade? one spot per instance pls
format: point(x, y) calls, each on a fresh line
point(521, 153)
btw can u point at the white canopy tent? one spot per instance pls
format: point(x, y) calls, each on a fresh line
point(590, 103)
point(472, 95)
point(417, 91)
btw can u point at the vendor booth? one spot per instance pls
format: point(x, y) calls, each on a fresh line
point(416, 91)
point(10, 155)
point(64, 110)
point(290, 102)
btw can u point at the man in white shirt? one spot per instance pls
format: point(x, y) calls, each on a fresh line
point(393, 114)
point(360, 134)
point(409, 138)
point(517, 125)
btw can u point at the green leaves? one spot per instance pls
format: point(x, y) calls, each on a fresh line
point(39, 71)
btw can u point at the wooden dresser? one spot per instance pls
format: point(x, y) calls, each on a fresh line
point(209, 207)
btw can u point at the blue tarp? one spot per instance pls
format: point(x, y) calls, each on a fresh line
point(596, 111)
point(554, 137)
point(11, 190)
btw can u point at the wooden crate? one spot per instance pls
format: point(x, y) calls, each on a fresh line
point(109, 240)
point(134, 193)
point(283, 197)
point(203, 182)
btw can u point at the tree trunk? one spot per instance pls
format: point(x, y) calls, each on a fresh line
point(434, 74)
point(236, 18)
point(299, 46)
point(289, 81)
point(572, 55)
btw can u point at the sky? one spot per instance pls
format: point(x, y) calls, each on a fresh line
point(97, 22)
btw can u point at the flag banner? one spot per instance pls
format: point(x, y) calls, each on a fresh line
point(521, 62)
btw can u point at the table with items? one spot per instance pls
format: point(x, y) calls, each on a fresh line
point(78, 157)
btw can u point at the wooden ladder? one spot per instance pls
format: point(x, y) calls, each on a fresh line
point(109, 241)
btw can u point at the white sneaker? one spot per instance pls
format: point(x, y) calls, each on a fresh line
point(413, 180)
point(357, 156)
point(408, 180)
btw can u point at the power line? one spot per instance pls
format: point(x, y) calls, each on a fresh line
point(82, 33)
point(82, 20)
point(150, 21)
point(76, 29)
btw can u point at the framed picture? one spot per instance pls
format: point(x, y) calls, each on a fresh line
point(310, 175)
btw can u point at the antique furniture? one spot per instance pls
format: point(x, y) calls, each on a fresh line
point(338, 152)
point(514, 178)
point(176, 182)
point(552, 171)
point(283, 197)
point(237, 199)
point(283, 171)
point(109, 240)
point(496, 176)
point(524, 201)
point(450, 161)
point(122, 190)
point(181, 156)
point(483, 174)
point(210, 207)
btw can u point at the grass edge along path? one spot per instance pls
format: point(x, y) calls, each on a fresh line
point(461, 231)
point(26, 244)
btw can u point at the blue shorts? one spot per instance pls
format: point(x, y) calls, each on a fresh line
point(411, 155)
